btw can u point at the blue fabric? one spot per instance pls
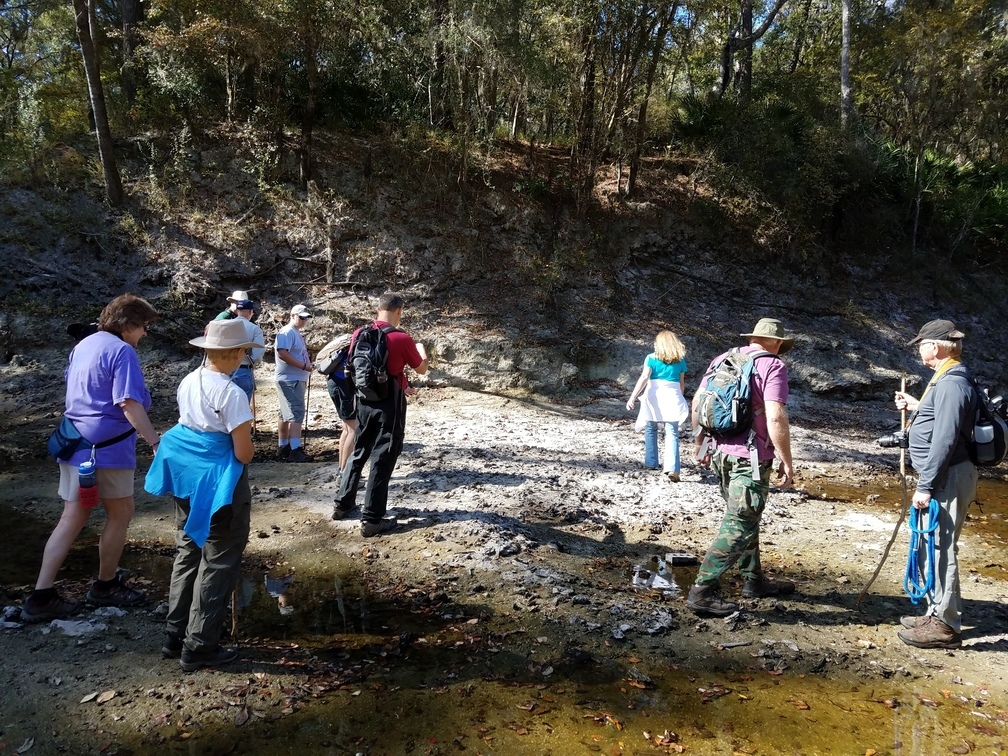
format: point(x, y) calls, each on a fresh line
point(199, 466)
point(665, 371)
point(245, 380)
point(672, 461)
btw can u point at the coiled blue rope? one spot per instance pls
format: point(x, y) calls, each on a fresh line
point(916, 591)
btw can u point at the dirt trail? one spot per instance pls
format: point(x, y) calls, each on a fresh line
point(516, 515)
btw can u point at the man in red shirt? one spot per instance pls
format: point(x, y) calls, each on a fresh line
point(381, 425)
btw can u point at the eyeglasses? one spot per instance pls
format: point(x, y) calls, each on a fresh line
point(302, 317)
point(145, 326)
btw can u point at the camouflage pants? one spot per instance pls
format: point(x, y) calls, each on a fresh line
point(738, 538)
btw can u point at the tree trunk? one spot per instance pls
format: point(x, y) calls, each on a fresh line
point(436, 86)
point(743, 80)
point(308, 117)
point(846, 100)
point(656, 52)
point(800, 38)
point(583, 153)
point(86, 25)
point(130, 17)
point(733, 43)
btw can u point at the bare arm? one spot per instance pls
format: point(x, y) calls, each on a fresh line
point(780, 435)
point(421, 369)
point(639, 387)
point(241, 437)
point(137, 416)
point(285, 355)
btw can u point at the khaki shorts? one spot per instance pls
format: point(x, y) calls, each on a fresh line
point(114, 483)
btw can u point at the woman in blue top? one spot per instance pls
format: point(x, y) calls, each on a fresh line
point(660, 390)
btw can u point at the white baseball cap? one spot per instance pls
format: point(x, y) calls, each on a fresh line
point(301, 311)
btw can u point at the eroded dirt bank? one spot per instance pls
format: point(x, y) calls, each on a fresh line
point(501, 618)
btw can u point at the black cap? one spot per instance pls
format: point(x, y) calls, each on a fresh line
point(937, 330)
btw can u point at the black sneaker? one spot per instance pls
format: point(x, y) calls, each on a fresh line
point(298, 455)
point(371, 529)
point(283, 453)
point(117, 595)
point(54, 608)
point(217, 657)
point(172, 647)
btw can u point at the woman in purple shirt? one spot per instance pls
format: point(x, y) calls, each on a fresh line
point(105, 398)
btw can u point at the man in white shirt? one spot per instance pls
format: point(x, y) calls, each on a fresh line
point(291, 373)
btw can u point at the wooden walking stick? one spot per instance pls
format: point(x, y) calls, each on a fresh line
point(903, 511)
point(307, 404)
point(255, 417)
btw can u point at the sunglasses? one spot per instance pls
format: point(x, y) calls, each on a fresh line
point(303, 317)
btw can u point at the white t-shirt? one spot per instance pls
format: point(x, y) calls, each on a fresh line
point(210, 401)
point(289, 338)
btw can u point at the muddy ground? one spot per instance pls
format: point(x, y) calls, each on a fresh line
point(500, 616)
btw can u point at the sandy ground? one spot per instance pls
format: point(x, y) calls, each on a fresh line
point(511, 510)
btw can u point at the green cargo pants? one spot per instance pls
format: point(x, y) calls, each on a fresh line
point(738, 537)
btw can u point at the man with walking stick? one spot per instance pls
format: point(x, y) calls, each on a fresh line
point(292, 373)
point(938, 438)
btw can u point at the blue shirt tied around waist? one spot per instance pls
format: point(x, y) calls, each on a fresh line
point(199, 466)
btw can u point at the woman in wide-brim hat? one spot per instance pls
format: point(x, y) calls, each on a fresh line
point(202, 462)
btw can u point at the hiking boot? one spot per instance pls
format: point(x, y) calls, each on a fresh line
point(672, 477)
point(190, 661)
point(371, 529)
point(910, 621)
point(763, 588)
point(115, 595)
point(931, 632)
point(172, 647)
point(298, 455)
point(706, 599)
point(338, 512)
point(55, 608)
point(283, 452)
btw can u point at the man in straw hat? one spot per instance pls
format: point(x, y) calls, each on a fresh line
point(743, 464)
point(940, 431)
point(202, 462)
point(241, 306)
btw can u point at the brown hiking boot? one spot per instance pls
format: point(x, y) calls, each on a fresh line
point(910, 621)
point(931, 632)
point(706, 599)
point(55, 607)
point(371, 529)
point(763, 588)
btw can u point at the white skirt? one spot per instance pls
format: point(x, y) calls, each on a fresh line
point(662, 402)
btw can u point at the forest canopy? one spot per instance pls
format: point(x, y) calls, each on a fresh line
point(827, 109)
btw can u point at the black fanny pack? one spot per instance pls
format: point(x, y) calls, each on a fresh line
point(66, 439)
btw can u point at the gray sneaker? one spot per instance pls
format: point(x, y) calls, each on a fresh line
point(371, 529)
point(54, 608)
point(118, 595)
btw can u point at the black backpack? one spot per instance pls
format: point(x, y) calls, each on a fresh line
point(989, 440)
point(367, 364)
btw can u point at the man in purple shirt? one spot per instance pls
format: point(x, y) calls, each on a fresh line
point(743, 465)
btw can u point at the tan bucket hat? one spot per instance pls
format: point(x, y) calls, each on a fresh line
point(771, 328)
point(225, 334)
point(238, 296)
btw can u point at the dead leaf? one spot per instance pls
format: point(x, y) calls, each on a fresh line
point(26, 746)
point(801, 705)
point(89, 697)
point(107, 696)
point(242, 716)
point(870, 752)
point(527, 707)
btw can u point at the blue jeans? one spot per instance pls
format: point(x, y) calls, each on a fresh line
point(671, 446)
point(243, 379)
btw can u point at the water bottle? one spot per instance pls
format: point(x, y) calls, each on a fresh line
point(87, 486)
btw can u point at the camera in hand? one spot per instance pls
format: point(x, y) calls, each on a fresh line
point(897, 440)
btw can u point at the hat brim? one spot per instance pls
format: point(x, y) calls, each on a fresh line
point(952, 336)
point(201, 342)
point(786, 343)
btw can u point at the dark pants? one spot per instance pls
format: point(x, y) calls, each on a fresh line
point(203, 579)
point(381, 427)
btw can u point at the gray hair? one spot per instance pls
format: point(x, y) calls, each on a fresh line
point(954, 348)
